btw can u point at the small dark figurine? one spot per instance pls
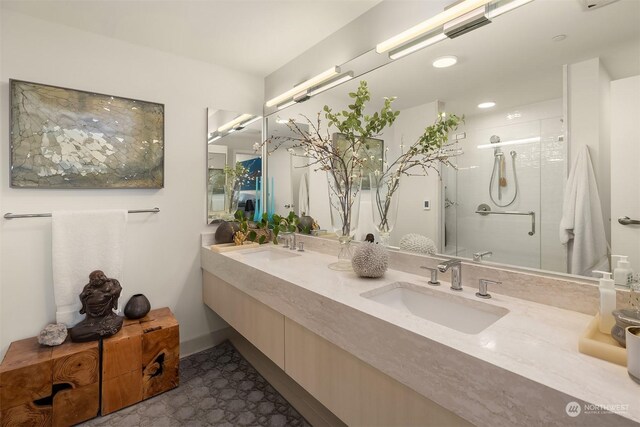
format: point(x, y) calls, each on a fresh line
point(369, 238)
point(99, 298)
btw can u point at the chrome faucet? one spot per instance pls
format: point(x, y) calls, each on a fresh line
point(478, 256)
point(456, 272)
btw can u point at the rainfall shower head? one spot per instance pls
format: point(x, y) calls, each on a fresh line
point(494, 139)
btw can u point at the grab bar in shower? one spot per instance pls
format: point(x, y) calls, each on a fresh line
point(46, 215)
point(628, 221)
point(485, 209)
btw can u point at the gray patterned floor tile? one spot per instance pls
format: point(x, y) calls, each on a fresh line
point(218, 387)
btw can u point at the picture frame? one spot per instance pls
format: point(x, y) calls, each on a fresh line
point(63, 138)
point(373, 147)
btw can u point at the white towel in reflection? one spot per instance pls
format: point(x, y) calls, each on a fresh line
point(582, 225)
point(303, 196)
point(84, 241)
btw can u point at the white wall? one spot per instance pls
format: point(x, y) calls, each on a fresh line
point(162, 255)
point(625, 177)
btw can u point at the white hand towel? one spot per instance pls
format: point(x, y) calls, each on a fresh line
point(582, 225)
point(84, 241)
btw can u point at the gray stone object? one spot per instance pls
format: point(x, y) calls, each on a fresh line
point(370, 260)
point(53, 334)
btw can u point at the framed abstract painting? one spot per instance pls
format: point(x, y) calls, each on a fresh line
point(67, 138)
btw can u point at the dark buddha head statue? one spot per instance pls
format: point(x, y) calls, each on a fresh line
point(99, 299)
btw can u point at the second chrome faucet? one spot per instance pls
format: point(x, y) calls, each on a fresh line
point(456, 272)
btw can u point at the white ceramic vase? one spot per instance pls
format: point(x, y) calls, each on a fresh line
point(633, 352)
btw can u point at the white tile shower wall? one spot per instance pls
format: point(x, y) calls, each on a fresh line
point(162, 252)
point(507, 235)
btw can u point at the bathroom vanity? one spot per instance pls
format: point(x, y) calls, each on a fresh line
point(395, 350)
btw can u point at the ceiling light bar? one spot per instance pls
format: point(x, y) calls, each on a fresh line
point(234, 122)
point(500, 7)
point(512, 142)
point(332, 83)
point(430, 24)
point(422, 42)
point(313, 81)
point(214, 138)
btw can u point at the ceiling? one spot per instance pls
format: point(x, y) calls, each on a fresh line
point(253, 36)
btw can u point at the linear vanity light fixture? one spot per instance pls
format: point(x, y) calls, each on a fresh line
point(313, 81)
point(417, 44)
point(331, 83)
point(500, 7)
point(214, 138)
point(512, 142)
point(286, 104)
point(234, 122)
point(454, 21)
point(430, 24)
point(248, 122)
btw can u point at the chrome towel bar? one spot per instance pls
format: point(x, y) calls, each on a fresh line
point(485, 209)
point(10, 215)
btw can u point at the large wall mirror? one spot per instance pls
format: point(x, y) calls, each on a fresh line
point(535, 86)
point(234, 168)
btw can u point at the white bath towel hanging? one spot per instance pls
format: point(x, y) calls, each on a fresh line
point(582, 225)
point(84, 241)
point(303, 195)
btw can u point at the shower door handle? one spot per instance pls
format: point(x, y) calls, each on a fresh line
point(628, 221)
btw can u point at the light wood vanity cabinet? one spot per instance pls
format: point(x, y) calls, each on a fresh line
point(259, 324)
point(355, 392)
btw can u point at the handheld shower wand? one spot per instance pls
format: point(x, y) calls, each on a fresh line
point(499, 164)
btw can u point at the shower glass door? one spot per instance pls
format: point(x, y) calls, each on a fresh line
point(511, 170)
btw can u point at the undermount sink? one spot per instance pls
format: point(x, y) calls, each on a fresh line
point(455, 312)
point(270, 254)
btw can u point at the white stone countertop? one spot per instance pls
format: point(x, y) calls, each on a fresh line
point(521, 370)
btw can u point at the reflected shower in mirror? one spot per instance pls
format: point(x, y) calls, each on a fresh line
point(538, 88)
point(234, 168)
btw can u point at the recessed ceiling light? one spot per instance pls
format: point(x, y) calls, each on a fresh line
point(559, 37)
point(445, 61)
point(487, 104)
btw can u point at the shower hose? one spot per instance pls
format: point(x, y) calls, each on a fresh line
point(496, 164)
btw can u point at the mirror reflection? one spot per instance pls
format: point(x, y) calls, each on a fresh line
point(234, 168)
point(537, 129)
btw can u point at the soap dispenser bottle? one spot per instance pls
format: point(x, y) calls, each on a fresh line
point(622, 274)
point(607, 302)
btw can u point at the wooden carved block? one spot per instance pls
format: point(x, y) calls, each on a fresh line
point(76, 364)
point(121, 353)
point(74, 405)
point(27, 415)
point(121, 391)
point(160, 356)
point(25, 374)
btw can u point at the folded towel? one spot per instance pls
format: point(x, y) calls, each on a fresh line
point(84, 241)
point(582, 225)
